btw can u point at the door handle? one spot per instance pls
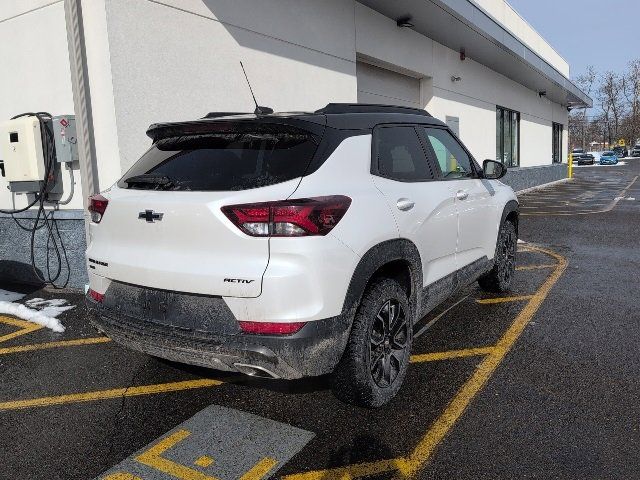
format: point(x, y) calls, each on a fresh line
point(462, 194)
point(404, 204)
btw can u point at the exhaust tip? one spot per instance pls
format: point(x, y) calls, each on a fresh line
point(255, 371)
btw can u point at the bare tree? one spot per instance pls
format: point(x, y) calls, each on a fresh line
point(610, 95)
point(631, 91)
point(578, 121)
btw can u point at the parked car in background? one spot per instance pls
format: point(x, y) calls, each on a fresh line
point(582, 157)
point(635, 152)
point(621, 152)
point(608, 158)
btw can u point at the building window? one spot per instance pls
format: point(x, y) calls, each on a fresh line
point(508, 137)
point(557, 143)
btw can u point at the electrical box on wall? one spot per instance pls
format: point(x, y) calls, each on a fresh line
point(64, 133)
point(21, 150)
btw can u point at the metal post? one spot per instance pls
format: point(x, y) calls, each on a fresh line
point(81, 102)
point(570, 166)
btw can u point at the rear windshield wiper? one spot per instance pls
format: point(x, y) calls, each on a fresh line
point(160, 180)
point(155, 182)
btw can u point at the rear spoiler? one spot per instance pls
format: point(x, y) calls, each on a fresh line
point(221, 124)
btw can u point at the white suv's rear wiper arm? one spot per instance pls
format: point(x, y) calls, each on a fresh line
point(160, 180)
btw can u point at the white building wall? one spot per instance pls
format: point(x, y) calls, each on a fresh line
point(473, 99)
point(176, 60)
point(182, 60)
point(103, 110)
point(35, 73)
point(505, 14)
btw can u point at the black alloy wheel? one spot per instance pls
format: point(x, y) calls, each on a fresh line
point(388, 342)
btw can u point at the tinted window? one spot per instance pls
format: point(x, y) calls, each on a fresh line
point(250, 157)
point(400, 155)
point(450, 157)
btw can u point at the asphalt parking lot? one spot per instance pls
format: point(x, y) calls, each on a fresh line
point(540, 383)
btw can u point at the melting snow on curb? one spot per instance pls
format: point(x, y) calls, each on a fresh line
point(38, 310)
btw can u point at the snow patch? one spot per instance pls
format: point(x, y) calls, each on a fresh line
point(43, 312)
point(9, 296)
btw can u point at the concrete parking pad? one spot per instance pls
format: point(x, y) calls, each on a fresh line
point(216, 443)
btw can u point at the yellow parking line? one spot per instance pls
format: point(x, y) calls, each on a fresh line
point(60, 344)
point(25, 327)
point(112, 393)
point(463, 398)
point(260, 469)
point(520, 298)
point(536, 267)
point(22, 331)
point(435, 356)
point(409, 466)
point(153, 458)
point(14, 322)
point(350, 472)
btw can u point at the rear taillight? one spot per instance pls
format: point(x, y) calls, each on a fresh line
point(97, 206)
point(271, 328)
point(98, 297)
point(289, 218)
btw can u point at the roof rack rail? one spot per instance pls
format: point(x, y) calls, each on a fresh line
point(370, 108)
point(224, 114)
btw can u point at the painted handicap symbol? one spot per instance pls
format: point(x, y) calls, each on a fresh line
point(153, 458)
point(217, 443)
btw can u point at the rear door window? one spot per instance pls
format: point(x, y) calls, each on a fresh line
point(399, 155)
point(249, 156)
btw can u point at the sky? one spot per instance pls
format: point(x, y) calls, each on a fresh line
point(587, 32)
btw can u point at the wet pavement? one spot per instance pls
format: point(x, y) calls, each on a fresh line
point(539, 383)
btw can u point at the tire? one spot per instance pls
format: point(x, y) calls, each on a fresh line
point(500, 277)
point(376, 358)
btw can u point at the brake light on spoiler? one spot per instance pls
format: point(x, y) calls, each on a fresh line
point(302, 217)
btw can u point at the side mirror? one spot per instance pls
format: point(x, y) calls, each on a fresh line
point(493, 170)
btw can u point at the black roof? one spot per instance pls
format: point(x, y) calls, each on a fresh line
point(342, 116)
point(344, 108)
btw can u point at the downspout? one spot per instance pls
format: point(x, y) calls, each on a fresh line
point(81, 103)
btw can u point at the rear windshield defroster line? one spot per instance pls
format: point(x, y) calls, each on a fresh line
point(231, 157)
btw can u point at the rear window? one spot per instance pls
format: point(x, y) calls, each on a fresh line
point(240, 158)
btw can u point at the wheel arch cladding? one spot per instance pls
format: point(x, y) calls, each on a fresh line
point(393, 258)
point(511, 213)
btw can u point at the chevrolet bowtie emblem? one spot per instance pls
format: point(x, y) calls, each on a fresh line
point(150, 216)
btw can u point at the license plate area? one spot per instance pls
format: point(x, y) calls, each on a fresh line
point(186, 311)
point(156, 305)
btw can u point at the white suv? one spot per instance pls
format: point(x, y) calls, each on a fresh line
point(297, 244)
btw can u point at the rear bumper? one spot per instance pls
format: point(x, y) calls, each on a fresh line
point(314, 350)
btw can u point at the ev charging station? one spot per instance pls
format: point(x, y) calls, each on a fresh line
point(23, 150)
point(33, 149)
